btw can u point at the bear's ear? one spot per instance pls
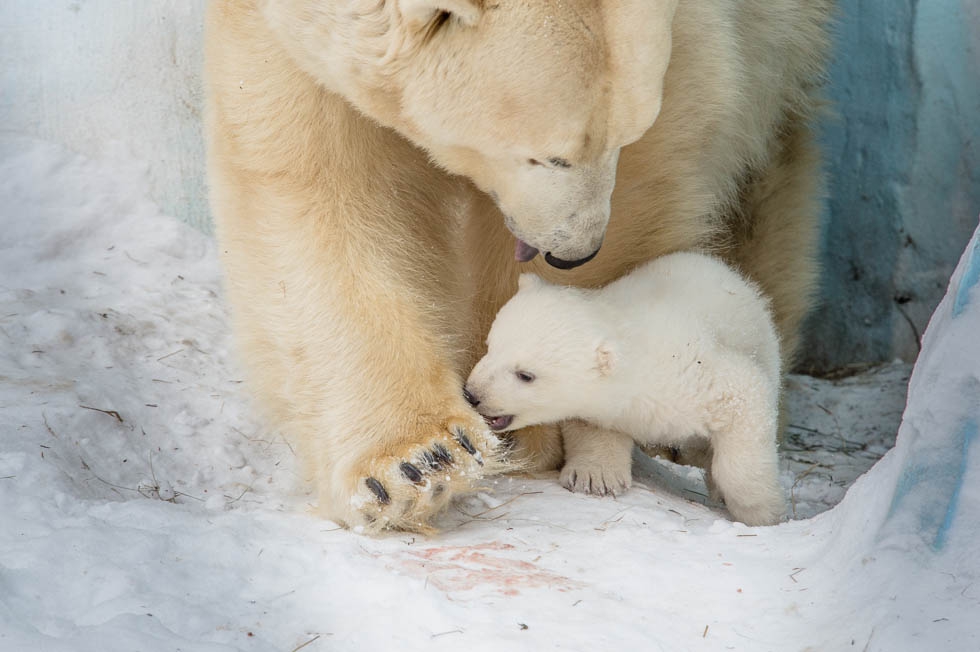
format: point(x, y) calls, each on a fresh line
point(529, 281)
point(605, 359)
point(422, 12)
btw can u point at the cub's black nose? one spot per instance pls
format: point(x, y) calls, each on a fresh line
point(468, 395)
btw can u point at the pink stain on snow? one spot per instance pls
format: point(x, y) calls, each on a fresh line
point(486, 566)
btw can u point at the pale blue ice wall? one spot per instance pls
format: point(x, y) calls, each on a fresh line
point(123, 78)
point(904, 173)
point(111, 78)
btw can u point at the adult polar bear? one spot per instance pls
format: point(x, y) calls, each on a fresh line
point(373, 161)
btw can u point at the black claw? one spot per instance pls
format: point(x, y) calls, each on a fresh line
point(411, 472)
point(429, 461)
point(443, 457)
point(379, 490)
point(467, 445)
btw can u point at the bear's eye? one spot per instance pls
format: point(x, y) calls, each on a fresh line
point(554, 162)
point(524, 376)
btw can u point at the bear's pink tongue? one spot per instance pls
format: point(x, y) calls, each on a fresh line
point(524, 252)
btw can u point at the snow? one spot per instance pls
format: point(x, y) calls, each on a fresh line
point(145, 507)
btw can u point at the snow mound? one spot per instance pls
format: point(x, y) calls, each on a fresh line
point(146, 508)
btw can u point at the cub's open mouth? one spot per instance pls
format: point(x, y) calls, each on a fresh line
point(499, 423)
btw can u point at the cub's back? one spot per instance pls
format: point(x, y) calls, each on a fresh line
point(693, 288)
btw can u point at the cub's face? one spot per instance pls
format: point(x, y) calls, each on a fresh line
point(546, 359)
point(531, 100)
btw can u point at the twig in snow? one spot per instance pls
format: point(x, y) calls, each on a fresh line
point(804, 428)
point(796, 571)
point(111, 413)
point(305, 644)
point(704, 634)
point(232, 502)
point(451, 631)
point(621, 513)
point(45, 418)
point(506, 502)
point(164, 357)
point(107, 483)
point(8, 477)
point(868, 644)
point(540, 522)
point(133, 259)
point(792, 490)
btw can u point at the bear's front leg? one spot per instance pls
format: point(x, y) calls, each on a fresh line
point(347, 281)
point(376, 406)
point(376, 398)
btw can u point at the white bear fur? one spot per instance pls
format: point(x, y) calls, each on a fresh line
point(683, 351)
point(370, 163)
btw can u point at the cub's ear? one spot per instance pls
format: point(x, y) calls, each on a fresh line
point(605, 359)
point(529, 281)
point(424, 11)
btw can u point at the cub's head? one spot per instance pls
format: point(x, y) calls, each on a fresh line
point(531, 100)
point(547, 359)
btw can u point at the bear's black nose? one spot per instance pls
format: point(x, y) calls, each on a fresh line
point(468, 395)
point(568, 264)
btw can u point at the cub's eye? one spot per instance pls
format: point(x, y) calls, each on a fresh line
point(534, 161)
point(524, 376)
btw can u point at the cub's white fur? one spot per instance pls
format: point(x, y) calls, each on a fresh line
point(680, 352)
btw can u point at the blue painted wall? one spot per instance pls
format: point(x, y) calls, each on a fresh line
point(903, 162)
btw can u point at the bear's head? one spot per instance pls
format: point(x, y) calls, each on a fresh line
point(532, 101)
point(548, 358)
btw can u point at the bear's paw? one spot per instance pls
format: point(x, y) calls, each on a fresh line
point(405, 489)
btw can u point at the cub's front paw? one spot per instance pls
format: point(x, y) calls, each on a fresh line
point(406, 488)
point(597, 461)
point(591, 477)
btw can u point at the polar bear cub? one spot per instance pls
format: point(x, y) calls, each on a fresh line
point(681, 352)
